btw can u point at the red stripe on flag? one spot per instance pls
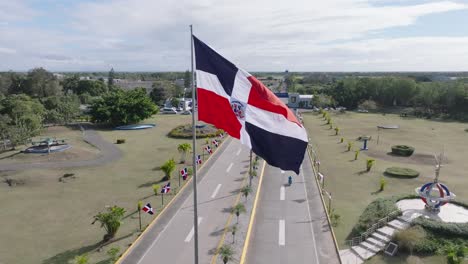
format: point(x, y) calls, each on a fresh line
point(261, 97)
point(216, 110)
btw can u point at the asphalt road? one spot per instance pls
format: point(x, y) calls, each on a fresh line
point(290, 224)
point(217, 190)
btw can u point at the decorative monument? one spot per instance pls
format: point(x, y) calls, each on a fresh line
point(435, 194)
point(48, 145)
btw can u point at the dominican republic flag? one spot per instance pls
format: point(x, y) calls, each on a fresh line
point(184, 173)
point(215, 142)
point(198, 160)
point(148, 209)
point(166, 188)
point(235, 101)
point(209, 150)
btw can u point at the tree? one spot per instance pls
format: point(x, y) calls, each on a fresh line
point(238, 209)
point(168, 168)
point(187, 79)
point(322, 100)
point(226, 253)
point(5, 129)
point(70, 84)
point(110, 220)
point(233, 230)
point(158, 94)
point(156, 189)
point(183, 149)
point(91, 87)
point(368, 105)
point(123, 107)
point(113, 253)
point(41, 83)
point(110, 79)
point(369, 164)
point(61, 109)
point(246, 190)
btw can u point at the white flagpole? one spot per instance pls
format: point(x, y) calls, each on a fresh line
point(194, 136)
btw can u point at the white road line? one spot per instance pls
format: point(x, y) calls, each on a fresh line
point(229, 167)
point(170, 221)
point(310, 216)
point(282, 193)
point(282, 233)
point(238, 152)
point(190, 235)
point(216, 191)
point(282, 171)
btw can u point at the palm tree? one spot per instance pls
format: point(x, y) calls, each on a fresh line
point(184, 148)
point(110, 220)
point(168, 167)
point(369, 164)
point(246, 190)
point(238, 209)
point(226, 253)
point(233, 230)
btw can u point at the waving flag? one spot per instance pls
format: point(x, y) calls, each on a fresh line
point(198, 160)
point(209, 150)
point(215, 142)
point(221, 135)
point(184, 173)
point(235, 101)
point(148, 209)
point(166, 188)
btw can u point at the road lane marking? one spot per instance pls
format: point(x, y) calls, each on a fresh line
point(310, 217)
point(190, 235)
point(229, 167)
point(282, 193)
point(216, 191)
point(238, 152)
point(282, 233)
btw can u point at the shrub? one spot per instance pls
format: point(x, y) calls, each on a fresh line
point(402, 150)
point(438, 228)
point(407, 239)
point(113, 253)
point(356, 154)
point(185, 132)
point(156, 189)
point(369, 164)
point(401, 172)
point(334, 218)
point(466, 129)
point(337, 130)
point(120, 141)
point(341, 140)
point(383, 182)
point(376, 210)
point(350, 145)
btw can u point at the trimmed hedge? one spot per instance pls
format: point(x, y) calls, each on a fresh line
point(448, 230)
point(401, 172)
point(402, 150)
point(376, 210)
point(185, 131)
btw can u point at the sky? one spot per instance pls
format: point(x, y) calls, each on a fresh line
point(256, 35)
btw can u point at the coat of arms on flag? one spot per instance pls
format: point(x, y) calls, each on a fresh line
point(235, 101)
point(184, 173)
point(198, 160)
point(166, 188)
point(148, 209)
point(221, 135)
point(209, 150)
point(215, 142)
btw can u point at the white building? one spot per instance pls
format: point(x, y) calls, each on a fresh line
point(296, 100)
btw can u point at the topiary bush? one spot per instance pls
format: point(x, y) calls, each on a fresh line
point(401, 172)
point(376, 210)
point(120, 141)
point(185, 131)
point(402, 150)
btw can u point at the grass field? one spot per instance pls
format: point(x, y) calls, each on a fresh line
point(47, 221)
point(353, 188)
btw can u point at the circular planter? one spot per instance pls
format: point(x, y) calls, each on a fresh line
point(401, 172)
point(402, 150)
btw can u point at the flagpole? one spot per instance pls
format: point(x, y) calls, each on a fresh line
point(194, 136)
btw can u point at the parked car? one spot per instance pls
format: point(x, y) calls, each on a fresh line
point(167, 110)
point(187, 113)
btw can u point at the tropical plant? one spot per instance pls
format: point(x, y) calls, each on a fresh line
point(113, 253)
point(331, 125)
point(184, 148)
point(226, 253)
point(238, 209)
point(246, 190)
point(110, 220)
point(350, 145)
point(81, 259)
point(356, 154)
point(156, 189)
point(407, 239)
point(337, 130)
point(383, 182)
point(233, 230)
point(328, 120)
point(168, 168)
point(139, 206)
point(369, 164)
point(334, 218)
point(341, 140)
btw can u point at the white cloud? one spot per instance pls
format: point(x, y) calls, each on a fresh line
point(256, 34)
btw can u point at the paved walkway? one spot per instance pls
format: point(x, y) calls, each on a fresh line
point(108, 153)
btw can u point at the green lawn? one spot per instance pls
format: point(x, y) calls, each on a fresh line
point(353, 189)
point(47, 221)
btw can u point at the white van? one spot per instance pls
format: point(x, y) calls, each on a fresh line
point(167, 110)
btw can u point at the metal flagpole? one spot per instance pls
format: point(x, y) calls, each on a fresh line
point(194, 136)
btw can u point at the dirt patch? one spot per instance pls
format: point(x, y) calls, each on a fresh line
point(417, 158)
point(13, 182)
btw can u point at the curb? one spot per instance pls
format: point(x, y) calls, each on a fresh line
point(155, 220)
point(337, 249)
point(252, 217)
